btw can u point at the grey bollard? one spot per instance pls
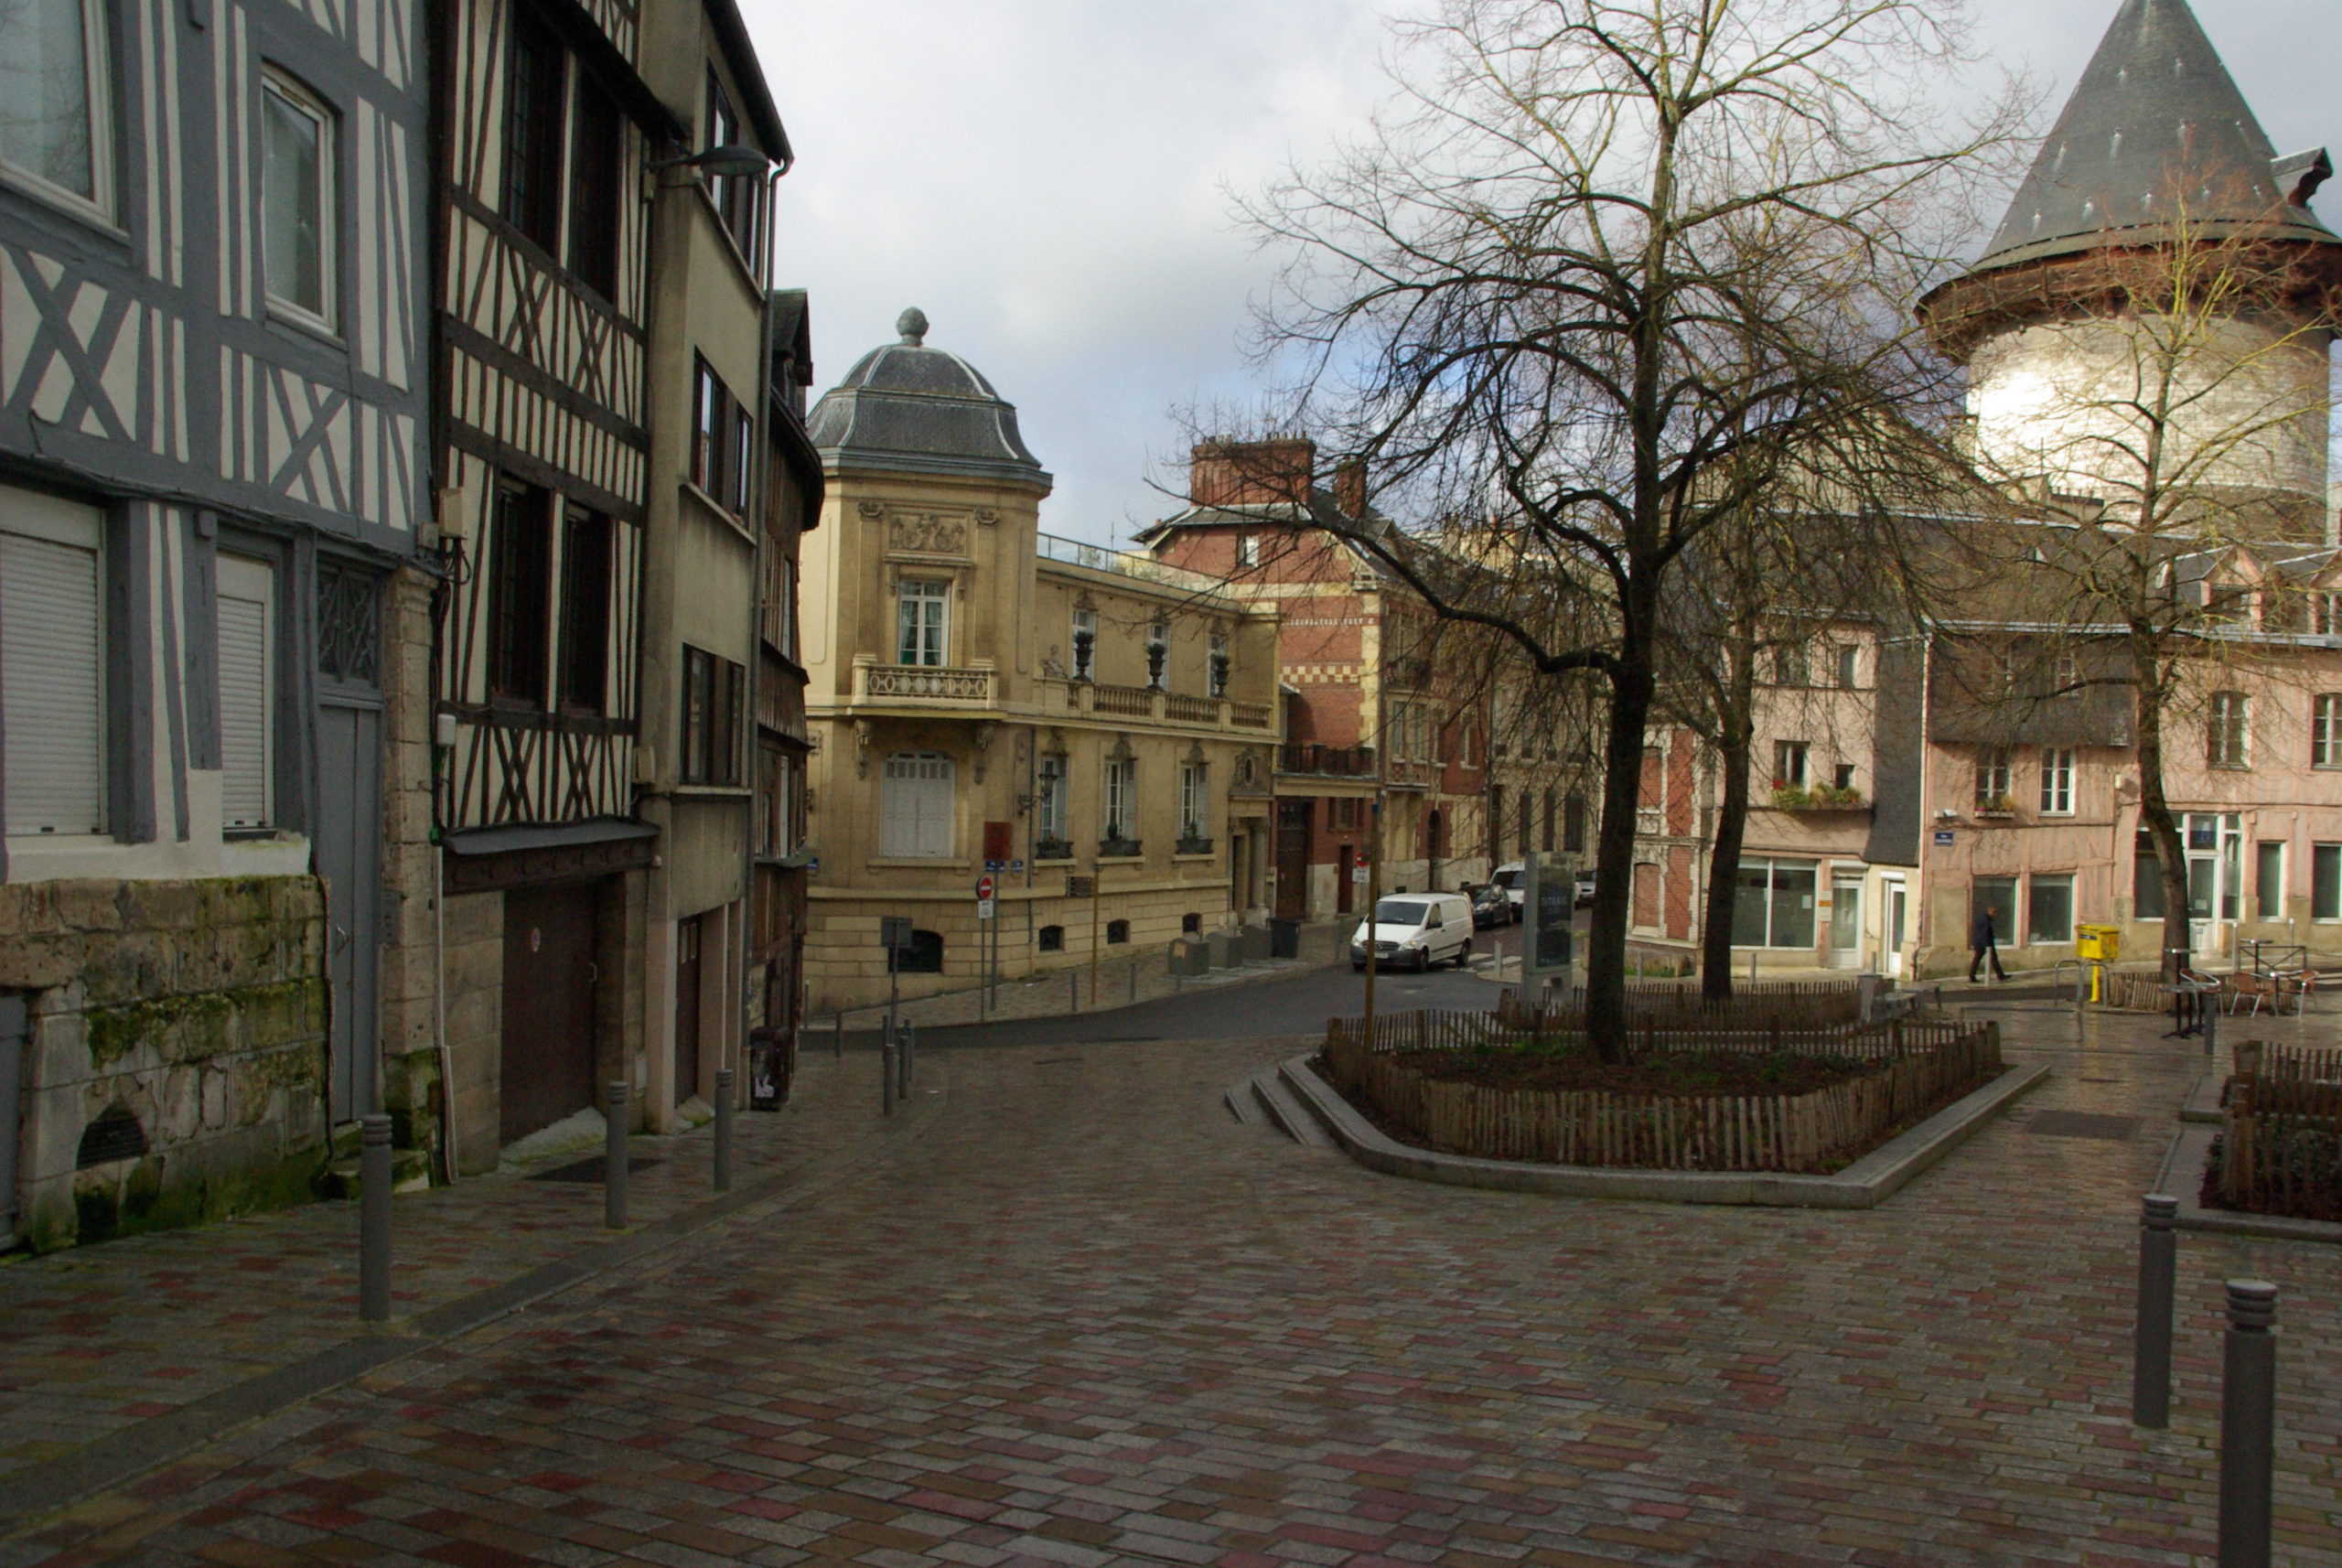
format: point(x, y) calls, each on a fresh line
point(2151, 1345)
point(374, 1219)
point(723, 1129)
point(2248, 1422)
point(887, 1070)
point(1133, 980)
point(1073, 991)
point(911, 1061)
point(614, 1171)
point(837, 1040)
point(2211, 1023)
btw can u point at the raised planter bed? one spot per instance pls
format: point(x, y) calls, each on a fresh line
point(1727, 1097)
point(2279, 1151)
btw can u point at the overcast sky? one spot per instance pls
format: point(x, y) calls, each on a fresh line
point(1046, 179)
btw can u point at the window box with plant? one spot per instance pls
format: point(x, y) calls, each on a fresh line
point(1996, 809)
point(1818, 797)
point(1045, 848)
point(1192, 845)
point(1120, 849)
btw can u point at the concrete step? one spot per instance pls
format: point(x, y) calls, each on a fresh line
point(1288, 1112)
point(1244, 1107)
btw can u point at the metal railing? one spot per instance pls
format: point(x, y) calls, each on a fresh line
point(1122, 562)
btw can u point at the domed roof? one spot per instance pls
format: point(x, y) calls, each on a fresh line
point(914, 409)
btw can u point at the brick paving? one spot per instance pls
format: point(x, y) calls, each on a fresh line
point(102, 1338)
point(1083, 1318)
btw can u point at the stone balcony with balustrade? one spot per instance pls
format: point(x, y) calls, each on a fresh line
point(974, 688)
point(1151, 704)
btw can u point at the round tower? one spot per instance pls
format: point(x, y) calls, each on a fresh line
point(2057, 322)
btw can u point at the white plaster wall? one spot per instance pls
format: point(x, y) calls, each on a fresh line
point(2249, 401)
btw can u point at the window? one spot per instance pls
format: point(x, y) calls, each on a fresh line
point(1052, 939)
point(2325, 615)
point(780, 599)
point(715, 692)
point(1050, 809)
point(777, 789)
point(533, 62)
point(1842, 776)
point(1195, 801)
point(297, 199)
point(922, 616)
point(1215, 666)
point(1772, 904)
point(585, 542)
point(2326, 732)
point(53, 80)
point(723, 439)
point(1789, 765)
point(925, 955)
point(52, 664)
point(247, 689)
point(1117, 933)
point(2146, 879)
point(2269, 879)
point(1573, 823)
point(520, 591)
point(1849, 665)
point(1248, 549)
point(2326, 882)
point(596, 159)
point(1790, 667)
point(1993, 775)
point(2049, 910)
point(1545, 819)
point(734, 195)
point(2056, 782)
point(917, 804)
point(1085, 644)
point(2225, 730)
point(1122, 800)
point(1995, 896)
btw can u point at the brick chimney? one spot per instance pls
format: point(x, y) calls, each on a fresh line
point(1251, 473)
point(1350, 487)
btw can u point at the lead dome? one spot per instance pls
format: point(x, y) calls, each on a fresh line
point(912, 408)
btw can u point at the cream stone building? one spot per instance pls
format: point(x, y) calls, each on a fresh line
point(982, 694)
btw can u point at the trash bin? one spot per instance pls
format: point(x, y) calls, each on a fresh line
point(772, 1067)
point(1189, 958)
point(1284, 938)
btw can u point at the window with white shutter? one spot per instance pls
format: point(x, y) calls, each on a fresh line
point(247, 691)
point(916, 806)
point(52, 665)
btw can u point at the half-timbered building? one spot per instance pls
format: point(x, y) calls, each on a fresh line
point(213, 485)
point(601, 309)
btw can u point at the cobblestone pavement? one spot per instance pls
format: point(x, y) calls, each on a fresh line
point(102, 1338)
point(1082, 1317)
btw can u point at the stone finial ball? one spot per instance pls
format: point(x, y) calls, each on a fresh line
point(912, 325)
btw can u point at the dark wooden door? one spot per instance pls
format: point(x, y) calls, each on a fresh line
point(548, 1071)
point(687, 976)
point(348, 851)
point(1347, 857)
point(1292, 859)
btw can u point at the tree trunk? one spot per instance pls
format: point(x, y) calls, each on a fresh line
point(1732, 824)
point(2154, 809)
point(1632, 686)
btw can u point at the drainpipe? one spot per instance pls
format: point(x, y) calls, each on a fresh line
point(762, 506)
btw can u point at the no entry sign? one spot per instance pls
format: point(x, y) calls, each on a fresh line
point(984, 886)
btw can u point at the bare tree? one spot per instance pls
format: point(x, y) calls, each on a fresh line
point(1607, 265)
point(2186, 420)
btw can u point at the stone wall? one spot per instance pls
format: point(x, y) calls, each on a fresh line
point(475, 979)
point(411, 1091)
point(177, 1059)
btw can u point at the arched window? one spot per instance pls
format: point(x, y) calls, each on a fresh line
point(917, 804)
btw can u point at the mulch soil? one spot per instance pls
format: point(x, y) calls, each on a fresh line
point(1685, 1074)
point(2323, 1204)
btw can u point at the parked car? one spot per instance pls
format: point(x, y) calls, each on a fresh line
point(1586, 887)
point(1415, 930)
point(1513, 878)
point(1492, 905)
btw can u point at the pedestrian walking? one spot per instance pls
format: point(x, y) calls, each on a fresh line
point(1982, 943)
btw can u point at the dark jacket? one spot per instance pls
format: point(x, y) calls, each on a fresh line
point(1980, 930)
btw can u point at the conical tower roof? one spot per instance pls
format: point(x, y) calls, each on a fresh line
point(2155, 121)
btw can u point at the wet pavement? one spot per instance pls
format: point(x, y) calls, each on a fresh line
point(1073, 1314)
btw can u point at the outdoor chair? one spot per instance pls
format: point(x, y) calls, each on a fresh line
point(2245, 985)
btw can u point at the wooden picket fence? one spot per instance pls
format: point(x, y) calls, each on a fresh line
point(1799, 1006)
point(1921, 1067)
point(2281, 1132)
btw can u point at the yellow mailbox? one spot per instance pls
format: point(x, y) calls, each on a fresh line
point(2101, 942)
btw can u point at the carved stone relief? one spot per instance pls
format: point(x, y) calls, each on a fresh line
point(927, 534)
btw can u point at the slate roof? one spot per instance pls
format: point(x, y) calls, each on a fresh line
point(910, 408)
point(2155, 101)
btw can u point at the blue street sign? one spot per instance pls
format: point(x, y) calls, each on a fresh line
point(1016, 868)
point(996, 865)
point(1943, 838)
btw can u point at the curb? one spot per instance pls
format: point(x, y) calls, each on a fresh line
point(1863, 1185)
point(38, 1490)
point(2181, 1176)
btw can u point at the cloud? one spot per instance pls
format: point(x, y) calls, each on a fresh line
point(1046, 179)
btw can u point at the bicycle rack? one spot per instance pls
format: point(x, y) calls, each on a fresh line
point(2080, 967)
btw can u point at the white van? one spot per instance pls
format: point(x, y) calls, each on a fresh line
point(1415, 930)
point(1513, 877)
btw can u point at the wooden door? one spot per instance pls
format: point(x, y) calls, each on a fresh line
point(1346, 858)
point(548, 1040)
point(687, 980)
point(349, 852)
point(1292, 859)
